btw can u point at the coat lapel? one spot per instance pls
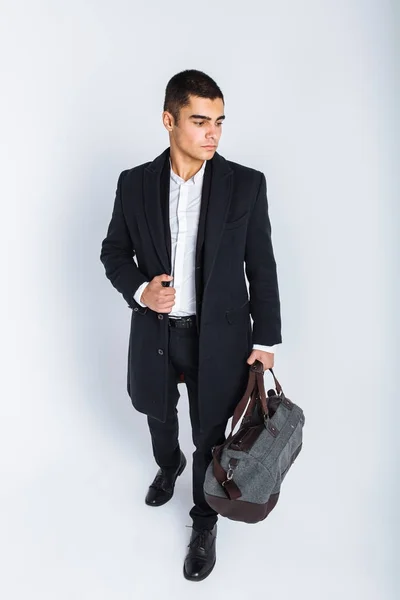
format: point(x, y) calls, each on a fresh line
point(216, 209)
point(215, 201)
point(153, 208)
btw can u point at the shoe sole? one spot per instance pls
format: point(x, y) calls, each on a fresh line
point(181, 469)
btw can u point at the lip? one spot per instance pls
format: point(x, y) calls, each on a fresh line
point(209, 147)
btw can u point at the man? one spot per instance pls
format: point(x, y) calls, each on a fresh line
point(196, 223)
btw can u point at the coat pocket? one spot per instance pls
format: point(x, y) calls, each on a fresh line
point(236, 223)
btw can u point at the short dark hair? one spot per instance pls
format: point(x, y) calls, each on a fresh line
point(189, 83)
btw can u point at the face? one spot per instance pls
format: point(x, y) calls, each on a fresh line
point(199, 126)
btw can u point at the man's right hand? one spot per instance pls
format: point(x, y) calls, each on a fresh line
point(158, 297)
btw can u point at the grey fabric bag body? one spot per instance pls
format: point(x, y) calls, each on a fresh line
point(244, 478)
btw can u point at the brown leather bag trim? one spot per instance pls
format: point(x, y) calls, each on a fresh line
point(246, 437)
point(241, 510)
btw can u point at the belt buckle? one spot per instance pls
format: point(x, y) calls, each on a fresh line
point(186, 322)
point(182, 322)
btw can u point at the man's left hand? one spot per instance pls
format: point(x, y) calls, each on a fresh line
point(267, 358)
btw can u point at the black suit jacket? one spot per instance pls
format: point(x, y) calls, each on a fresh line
point(234, 238)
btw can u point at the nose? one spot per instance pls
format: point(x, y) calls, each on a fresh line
point(212, 135)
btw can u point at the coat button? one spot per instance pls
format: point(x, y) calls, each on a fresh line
point(160, 316)
point(136, 309)
point(160, 351)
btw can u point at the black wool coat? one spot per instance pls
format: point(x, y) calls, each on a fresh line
point(234, 238)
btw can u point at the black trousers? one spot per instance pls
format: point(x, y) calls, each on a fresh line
point(183, 357)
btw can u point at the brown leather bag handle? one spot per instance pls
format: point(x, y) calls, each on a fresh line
point(255, 384)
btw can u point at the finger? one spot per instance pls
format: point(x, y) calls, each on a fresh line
point(166, 299)
point(165, 305)
point(167, 294)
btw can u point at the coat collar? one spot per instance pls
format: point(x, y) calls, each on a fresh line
point(215, 203)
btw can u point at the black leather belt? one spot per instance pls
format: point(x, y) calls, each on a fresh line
point(182, 322)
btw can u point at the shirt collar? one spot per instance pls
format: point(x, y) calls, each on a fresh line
point(195, 179)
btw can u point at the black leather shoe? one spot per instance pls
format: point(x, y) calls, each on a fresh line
point(201, 557)
point(162, 488)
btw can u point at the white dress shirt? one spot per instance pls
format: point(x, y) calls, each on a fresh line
point(184, 211)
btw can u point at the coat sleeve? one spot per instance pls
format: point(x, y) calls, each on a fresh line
point(261, 272)
point(117, 253)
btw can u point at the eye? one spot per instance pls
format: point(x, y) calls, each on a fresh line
point(202, 123)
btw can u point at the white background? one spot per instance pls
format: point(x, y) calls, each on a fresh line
point(311, 100)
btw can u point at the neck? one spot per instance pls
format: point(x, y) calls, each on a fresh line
point(183, 165)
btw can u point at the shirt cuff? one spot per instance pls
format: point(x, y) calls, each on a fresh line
point(265, 348)
point(139, 292)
